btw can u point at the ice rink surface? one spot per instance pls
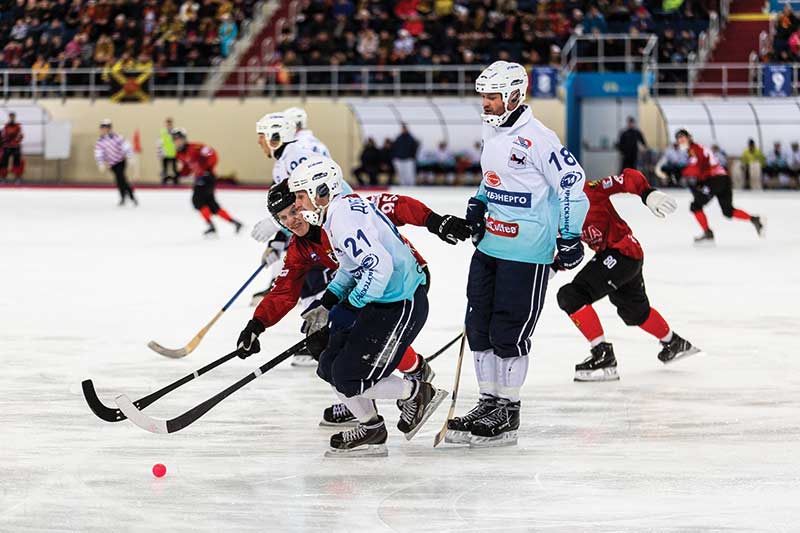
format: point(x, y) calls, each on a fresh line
point(709, 443)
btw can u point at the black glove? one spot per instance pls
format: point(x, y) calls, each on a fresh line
point(570, 253)
point(476, 219)
point(248, 339)
point(342, 317)
point(449, 228)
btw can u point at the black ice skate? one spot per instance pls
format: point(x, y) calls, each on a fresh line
point(676, 348)
point(706, 239)
point(364, 440)
point(458, 429)
point(498, 428)
point(417, 409)
point(338, 415)
point(600, 366)
point(237, 226)
point(424, 372)
point(211, 231)
point(758, 224)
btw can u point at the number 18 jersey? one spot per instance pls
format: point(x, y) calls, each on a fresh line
point(533, 189)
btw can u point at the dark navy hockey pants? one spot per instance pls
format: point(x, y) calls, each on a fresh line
point(504, 301)
point(358, 358)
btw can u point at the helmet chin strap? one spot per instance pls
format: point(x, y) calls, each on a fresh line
point(314, 217)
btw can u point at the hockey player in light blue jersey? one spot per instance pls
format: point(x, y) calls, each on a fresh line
point(279, 140)
point(530, 203)
point(375, 306)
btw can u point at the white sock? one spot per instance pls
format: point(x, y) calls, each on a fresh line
point(511, 373)
point(362, 408)
point(598, 340)
point(486, 371)
point(390, 388)
point(667, 337)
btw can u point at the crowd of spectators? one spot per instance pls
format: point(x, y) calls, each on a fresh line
point(786, 40)
point(117, 35)
point(475, 32)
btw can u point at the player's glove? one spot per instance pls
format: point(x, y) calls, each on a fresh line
point(476, 219)
point(659, 203)
point(342, 317)
point(274, 249)
point(265, 229)
point(248, 339)
point(315, 316)
point(449, 228)
point(570, 253)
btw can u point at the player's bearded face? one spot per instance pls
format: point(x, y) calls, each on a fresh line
point(294, 221)
point(492, 103)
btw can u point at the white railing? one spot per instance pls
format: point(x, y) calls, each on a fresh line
point(589, 52)
point(735, 79)
point(248, 81)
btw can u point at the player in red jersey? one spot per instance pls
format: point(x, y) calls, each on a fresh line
point(616, 271)
point(707, 179)
point(309, 249)
point(11, 148)
point(198, 160)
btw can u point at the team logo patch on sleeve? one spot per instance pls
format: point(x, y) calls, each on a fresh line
point(569, 179)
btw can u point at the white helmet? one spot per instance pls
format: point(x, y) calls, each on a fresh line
point(508, 79)
point(316, 176)
point(277, 128)
point(298, 116)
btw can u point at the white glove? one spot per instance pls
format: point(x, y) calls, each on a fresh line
point(265, 229)
point(101, 167)
point(661, 204)
point(314, 318)
point(270, 256)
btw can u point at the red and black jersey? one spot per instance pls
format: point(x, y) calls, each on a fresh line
point(314, 250)
point(11, 136)
point(603, 228)
point(197, 159)
point(702, 164)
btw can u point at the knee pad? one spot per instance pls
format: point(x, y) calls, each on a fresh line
point(570, 298)
point(634, 316)
point(694, 207)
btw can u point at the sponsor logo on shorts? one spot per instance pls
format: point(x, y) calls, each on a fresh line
point(492, 179)
point(509, 198)
point(502, 229)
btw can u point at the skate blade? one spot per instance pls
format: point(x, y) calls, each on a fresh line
point(683, 355)
point(607, 374)
point(457, 437)
point(438, 398)
point(304, 361)
point(704, 244)
point(349, 423)
point(509, 438)
point(369, 450)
